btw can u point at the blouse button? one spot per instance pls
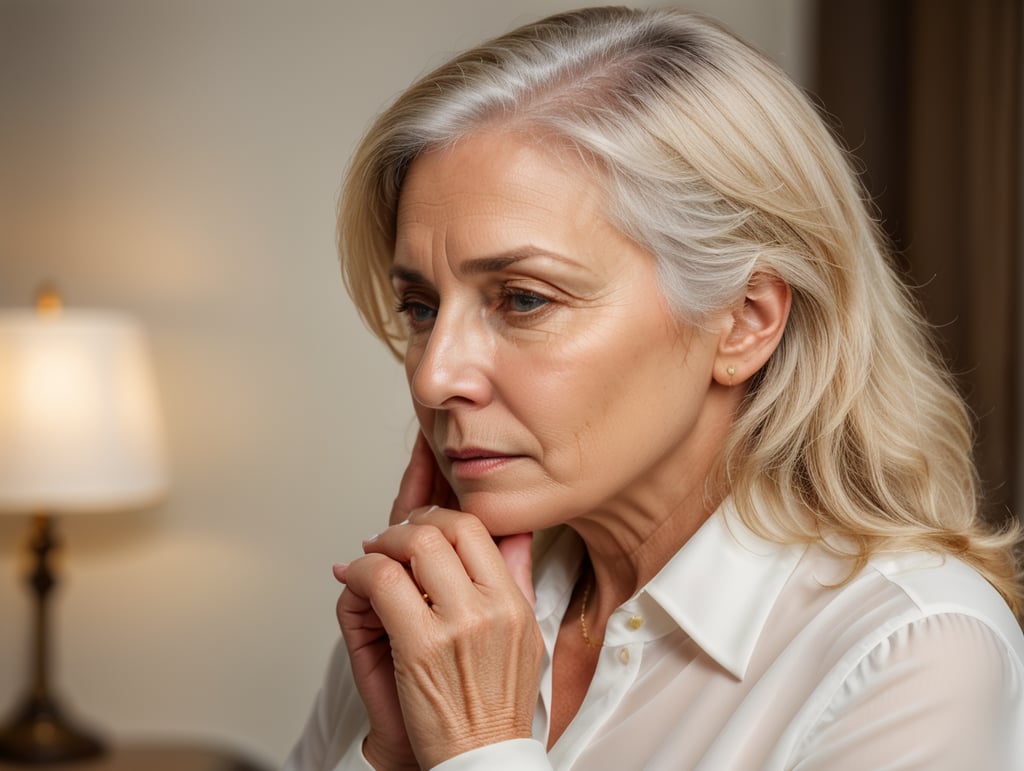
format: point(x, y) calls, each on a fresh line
point(636, 622)
point(624, 655)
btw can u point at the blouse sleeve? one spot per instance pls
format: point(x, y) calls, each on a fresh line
point(943, 692)
point(333, 737)
point(512, 755)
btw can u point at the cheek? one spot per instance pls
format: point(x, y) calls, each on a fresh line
point(599, 406)
point(571, 398)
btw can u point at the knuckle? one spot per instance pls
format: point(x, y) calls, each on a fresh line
point(467, 527)
point(507, 616)
point(426, 538)
point(382, 571)
point(469, 626)
point(389, 572)
point(521, 616)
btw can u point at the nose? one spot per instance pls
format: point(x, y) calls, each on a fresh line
point(454, 366)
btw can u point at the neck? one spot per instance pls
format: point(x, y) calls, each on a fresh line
point(629, 540)
point(623, 561)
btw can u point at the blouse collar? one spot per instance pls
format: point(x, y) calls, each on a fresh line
point(722, 585)
point(719, 588)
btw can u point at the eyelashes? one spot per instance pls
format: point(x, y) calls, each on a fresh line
point(517, 306)
point(416, 312)
point(521, 301)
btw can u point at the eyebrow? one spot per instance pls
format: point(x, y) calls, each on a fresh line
point(473, 267)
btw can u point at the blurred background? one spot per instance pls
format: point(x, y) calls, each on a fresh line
point(181, 161)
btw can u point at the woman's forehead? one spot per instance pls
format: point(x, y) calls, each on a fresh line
point(496, 186)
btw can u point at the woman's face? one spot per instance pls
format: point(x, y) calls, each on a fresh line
point(547, 372)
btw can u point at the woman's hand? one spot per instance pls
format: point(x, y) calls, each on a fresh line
point(368, 638)
point(465, 647)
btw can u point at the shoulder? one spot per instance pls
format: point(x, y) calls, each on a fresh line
point(933, 586)
point(913, 600)
point(892, 591)
point(925, 661)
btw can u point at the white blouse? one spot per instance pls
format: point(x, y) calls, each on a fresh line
point(744, 654)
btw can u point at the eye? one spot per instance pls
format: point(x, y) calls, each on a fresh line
point(523, 302)
point(418, 314)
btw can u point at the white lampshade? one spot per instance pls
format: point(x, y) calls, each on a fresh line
point(80, 430)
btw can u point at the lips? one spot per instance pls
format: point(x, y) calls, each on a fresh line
point(470, 463)
point(471, 453)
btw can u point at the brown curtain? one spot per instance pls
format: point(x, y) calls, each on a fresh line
point(927, 93)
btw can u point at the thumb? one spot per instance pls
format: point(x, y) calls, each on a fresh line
point(517, 551)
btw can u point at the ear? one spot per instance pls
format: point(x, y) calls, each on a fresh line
point(753, 330)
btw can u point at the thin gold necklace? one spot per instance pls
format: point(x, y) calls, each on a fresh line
point(583, 613)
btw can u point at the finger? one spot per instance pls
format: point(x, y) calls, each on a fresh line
point(450, 553)
point(376, 578)
point(435, 565)
point(517, 552)
point(441, 493)
point(471, 541)
point(419, 481)
point(385, 587)
point(357, 619)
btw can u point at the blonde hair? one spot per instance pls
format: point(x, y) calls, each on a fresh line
point(717, 163)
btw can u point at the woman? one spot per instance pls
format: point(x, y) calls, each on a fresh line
point(692, 490)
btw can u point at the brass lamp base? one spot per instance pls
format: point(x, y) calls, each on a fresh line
point(41, 734)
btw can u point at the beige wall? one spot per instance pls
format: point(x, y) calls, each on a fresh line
point(181, 160)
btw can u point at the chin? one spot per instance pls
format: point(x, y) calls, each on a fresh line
point(510, 513)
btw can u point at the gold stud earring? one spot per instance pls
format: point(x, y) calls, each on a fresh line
point(730, 371)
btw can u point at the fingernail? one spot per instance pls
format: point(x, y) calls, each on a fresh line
point(422, 513)
point(340, 569)
point(371, 539)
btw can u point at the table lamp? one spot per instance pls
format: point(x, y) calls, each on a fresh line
point(79, 432)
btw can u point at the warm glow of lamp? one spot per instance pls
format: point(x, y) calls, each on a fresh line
point(79, 428)
point(79, 432)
